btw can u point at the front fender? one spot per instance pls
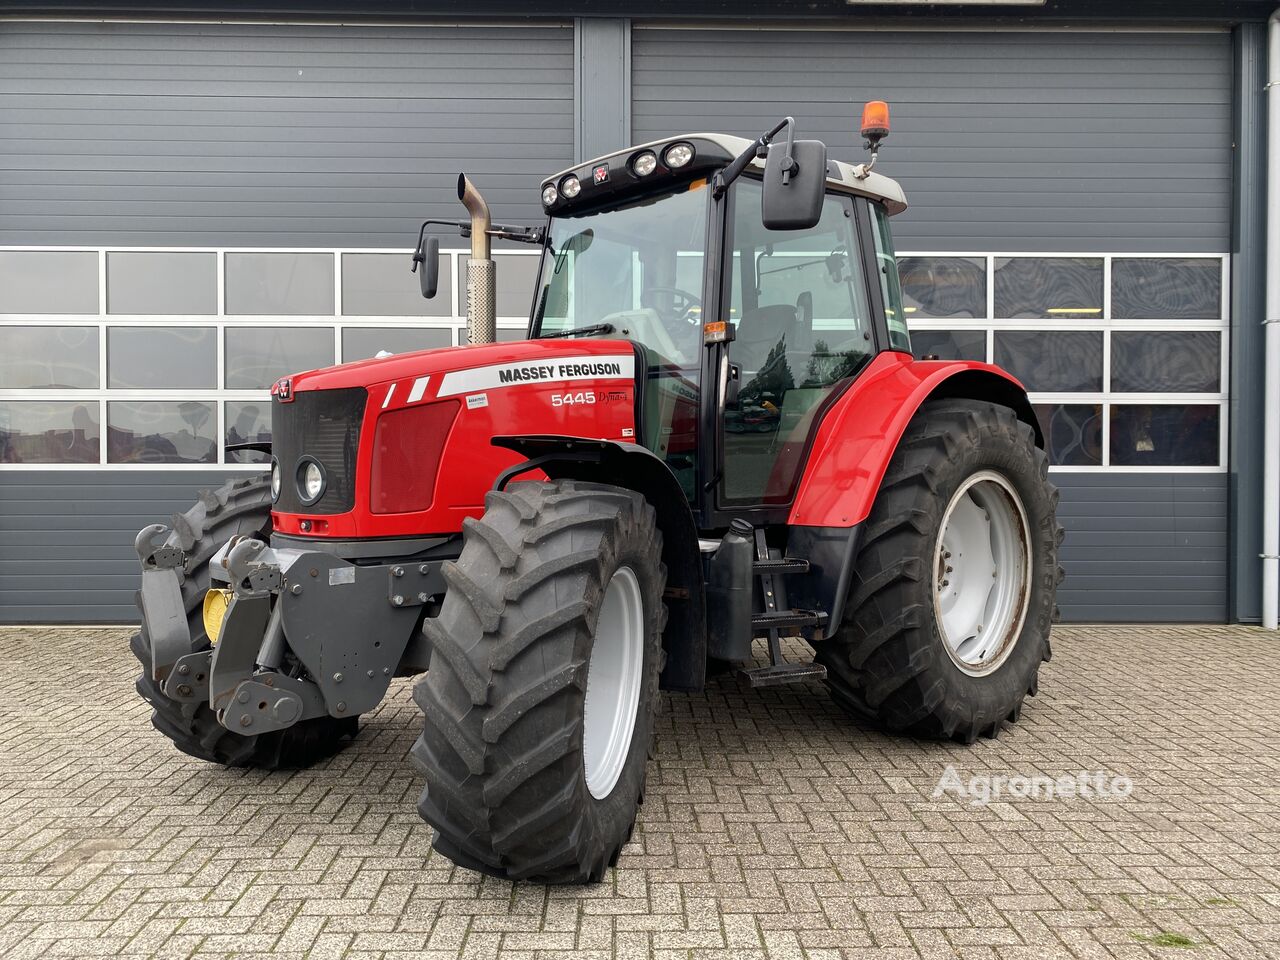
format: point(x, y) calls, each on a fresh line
point(859, 434)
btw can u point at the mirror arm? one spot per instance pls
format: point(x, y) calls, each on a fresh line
point(759, 147)
point(500, 231)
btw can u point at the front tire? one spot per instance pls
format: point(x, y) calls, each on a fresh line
point(953, 592)
point(538, 708)
point(239, 507)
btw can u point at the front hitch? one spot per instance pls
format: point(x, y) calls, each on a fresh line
point(162, 605)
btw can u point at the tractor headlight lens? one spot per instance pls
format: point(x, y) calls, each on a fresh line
point(570, 187)
point(644, 164)
point(678, 155)
point(310, 481)
point(548, 194)
point(275, 480)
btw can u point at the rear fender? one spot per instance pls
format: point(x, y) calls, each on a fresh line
point(861, 431)
point(637, 468)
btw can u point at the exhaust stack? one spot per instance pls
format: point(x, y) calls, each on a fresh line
point(481, 306)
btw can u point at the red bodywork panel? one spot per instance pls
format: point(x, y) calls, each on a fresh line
point(859, 434)
point(578, 388)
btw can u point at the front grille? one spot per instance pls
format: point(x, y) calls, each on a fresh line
point(324, 424)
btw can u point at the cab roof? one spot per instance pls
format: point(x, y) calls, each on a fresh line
point(723, 148)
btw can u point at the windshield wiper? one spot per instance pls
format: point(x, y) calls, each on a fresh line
point(579, 331)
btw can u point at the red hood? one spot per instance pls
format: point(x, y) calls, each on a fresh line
point(404, 366)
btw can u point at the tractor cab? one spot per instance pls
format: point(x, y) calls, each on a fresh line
point(751, 301)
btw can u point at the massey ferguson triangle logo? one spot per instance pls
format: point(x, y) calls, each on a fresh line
point(283, 389)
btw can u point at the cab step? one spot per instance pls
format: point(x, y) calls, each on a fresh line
point(775, 675)
point(780, 565)
point(769, 566)
point(779, 619)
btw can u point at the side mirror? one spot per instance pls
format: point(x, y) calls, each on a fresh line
point(794, 186)
point(429, 256)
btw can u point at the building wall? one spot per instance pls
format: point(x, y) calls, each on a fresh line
point(275, 176)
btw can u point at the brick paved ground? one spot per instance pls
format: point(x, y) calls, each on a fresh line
point(772, 828)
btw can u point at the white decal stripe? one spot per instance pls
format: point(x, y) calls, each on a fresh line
point(549, 370)
point(419, 388)
point(390, 393)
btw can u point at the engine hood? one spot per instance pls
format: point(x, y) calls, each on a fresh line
point(425, 363)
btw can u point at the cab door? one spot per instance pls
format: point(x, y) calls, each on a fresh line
point(803, 318)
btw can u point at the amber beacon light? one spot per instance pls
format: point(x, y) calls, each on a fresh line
point(875, 120)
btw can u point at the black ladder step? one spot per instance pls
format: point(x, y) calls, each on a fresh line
point(781, 673)
point(787, 618)
point(761, 567)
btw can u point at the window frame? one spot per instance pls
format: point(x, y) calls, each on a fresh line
point(454, 322)
point(1106, 398)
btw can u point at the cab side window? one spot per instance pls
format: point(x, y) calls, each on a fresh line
point(798, 302)
point(890, 287)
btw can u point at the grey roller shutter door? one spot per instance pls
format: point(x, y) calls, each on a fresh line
point(1012, 141)
point(272, 135)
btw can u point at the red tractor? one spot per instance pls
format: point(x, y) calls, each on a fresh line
point(715, 432)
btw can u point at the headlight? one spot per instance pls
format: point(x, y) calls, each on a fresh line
point(548, 194)
point(275, 480)
point(644, 163)
point(570, 187)
point(310, 481)
point(678, 155)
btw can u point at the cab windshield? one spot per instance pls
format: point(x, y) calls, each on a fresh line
point(638, 269)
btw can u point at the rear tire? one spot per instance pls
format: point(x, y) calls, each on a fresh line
point(238, 507)
point(538, 708)
point(899, 660)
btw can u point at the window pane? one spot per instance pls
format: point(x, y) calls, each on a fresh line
point(1168, 288)
point(285, 284)
point(515, 279)
point(35, 431)
point(944, 286)
point(504, 335)
point(360, 343)
point(248, 421)
point(950, 344)
point(804, 324)
point(1153, 435)
point(1052, 360)
point(162, 283)
point(48, 357)
point(48, 282)
point(161, 431)
point(1054, 287)
point(890, 287)
point(1072, 433)
point(146, 358)
point(380, 285)
point(259, 356)
point(1165, 362)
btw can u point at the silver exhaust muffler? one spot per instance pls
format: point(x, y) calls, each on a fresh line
point(482, 311)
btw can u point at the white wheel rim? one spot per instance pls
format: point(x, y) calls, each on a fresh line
point(613, 683)
point(982, 573)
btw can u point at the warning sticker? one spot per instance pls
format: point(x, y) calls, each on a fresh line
point(477, 400)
